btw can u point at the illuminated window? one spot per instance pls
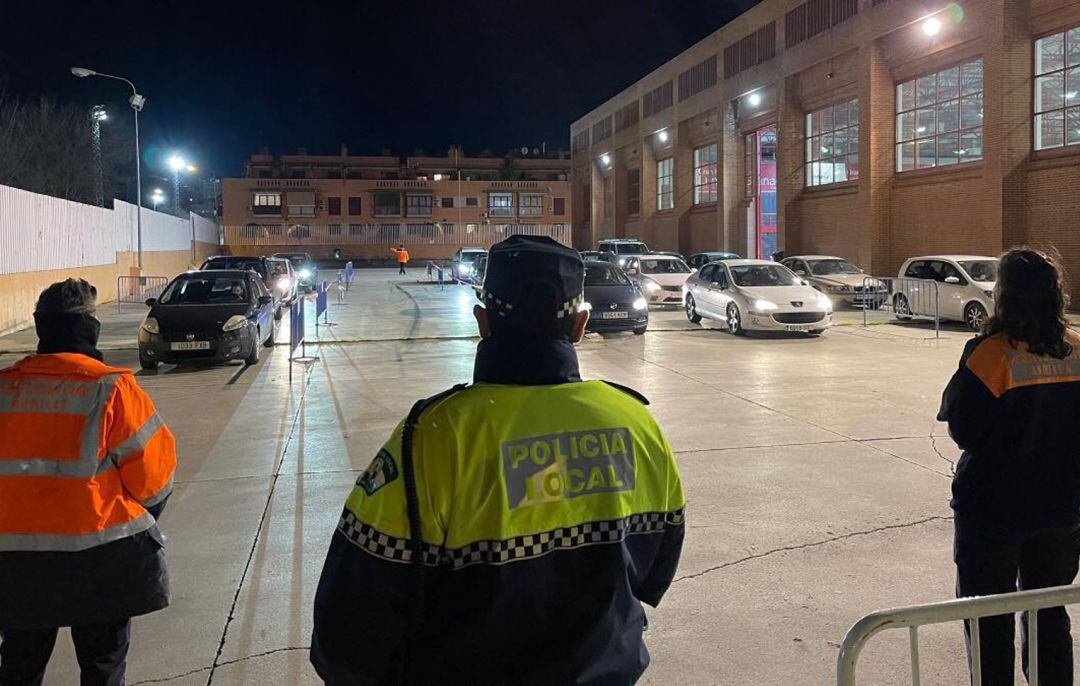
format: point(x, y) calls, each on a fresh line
point(705, 174)
point(501, 204)
point(665, 184)
point(939, 118)
point(1057, 89)
point(832, 144)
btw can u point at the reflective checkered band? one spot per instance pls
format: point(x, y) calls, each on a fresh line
point(496, 304)
point(498, 552)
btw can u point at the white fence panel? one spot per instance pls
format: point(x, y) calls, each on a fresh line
point(205, 230)
point(160, 232)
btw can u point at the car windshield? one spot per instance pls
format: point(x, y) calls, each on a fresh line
point(625, 248)
point(206, 290)
point(658, 266)
point(236, 263)
point(828, 267)
point(470, 256)
point(598, 274)
point(763, 275)
point(298, 261)
point(981, 270)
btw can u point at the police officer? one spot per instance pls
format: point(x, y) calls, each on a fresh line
point(1012, 407)
point(86, 465)
point(508, 532)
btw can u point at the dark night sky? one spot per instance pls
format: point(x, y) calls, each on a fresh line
point(225, 78)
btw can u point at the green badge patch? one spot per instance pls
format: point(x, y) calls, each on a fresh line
point(381, 472)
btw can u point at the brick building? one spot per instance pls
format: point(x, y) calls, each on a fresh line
point(871, 129)
point(357, 205)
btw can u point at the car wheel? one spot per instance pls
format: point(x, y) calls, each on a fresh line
point(270, 337)
point(734, 320)
point(817, 332)
point(974, 316)
point(901, 307)
point(148, 365)
point(253, 358)
point(640, 332)
point(691, 310)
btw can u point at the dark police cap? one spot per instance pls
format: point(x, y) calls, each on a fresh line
point(520, 260)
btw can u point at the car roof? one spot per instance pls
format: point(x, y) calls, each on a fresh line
point(750, 263)
point(236, 257)
point(716, 252)
point(218, 273)
point(954, 258)
point(621, 240)
point(472, 250)
point(658, 256)
point(814, 257)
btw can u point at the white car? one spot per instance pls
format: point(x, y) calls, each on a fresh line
point(839, 279)
point(660, 277)
point(756, 295)
point(463, 266)
point(964, 289)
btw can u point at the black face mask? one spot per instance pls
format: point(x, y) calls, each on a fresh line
point(68, 333)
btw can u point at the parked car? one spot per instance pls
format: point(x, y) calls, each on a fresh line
point(965, 288)
point(260, 265)
point(755, 295)
point(213, 315)
point(304, 269)
point(616, 303)
point(699, 260)
point(284, 280)
point(660, 277)
point(463, 265)
point(839, 279)
point(619, 250)
point(591, 255)
point(671, 253)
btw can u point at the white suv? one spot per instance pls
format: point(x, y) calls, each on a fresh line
point(965, 288)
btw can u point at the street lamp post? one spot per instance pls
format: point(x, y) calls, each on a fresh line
point(177, 164)
point(137, 102)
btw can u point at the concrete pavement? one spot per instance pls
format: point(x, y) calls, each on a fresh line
point(816, 477)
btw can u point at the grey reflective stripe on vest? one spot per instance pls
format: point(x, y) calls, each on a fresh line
point(159, 496)
point(42, 395)
point(134, 443)
point(75, 542)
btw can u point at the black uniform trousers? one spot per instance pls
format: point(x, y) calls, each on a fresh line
point(993, 559)
point(101, 650)
point(401, 267)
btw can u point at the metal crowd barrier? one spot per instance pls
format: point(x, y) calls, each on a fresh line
point(135, 290)
point(968, 609)
point(435, 271)
point(904, 297)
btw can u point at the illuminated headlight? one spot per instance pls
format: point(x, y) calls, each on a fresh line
point(235, 322)
point(585, 306)
point(150, 325)
point(622, 261)
point(305, 273)
point(284, 283)
point(651, 286)
point(763, 306)
point(824, 303)
point(640, 304)
point(465, 269)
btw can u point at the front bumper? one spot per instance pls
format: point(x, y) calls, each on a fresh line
point(223, 346)
point(791, 322)
point(665, 296)
point(634, 319)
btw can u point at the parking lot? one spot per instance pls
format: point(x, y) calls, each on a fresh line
point(817, 484)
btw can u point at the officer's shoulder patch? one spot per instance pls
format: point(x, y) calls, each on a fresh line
point(380, 472)
point(629, 391)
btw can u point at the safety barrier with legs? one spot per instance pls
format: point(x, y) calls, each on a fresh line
point(136, 290)
point(968, 609)
point(901, 297)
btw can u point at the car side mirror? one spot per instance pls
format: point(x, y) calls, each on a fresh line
point(150, 302)
point(952, 279)
point(265, 300)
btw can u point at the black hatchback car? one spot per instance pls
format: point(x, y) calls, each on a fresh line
point(615, 301)
point(211, 315)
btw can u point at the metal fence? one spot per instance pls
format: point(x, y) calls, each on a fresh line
point(433, 233)
point(132, 290)
point(900, 298)
point(968, 609)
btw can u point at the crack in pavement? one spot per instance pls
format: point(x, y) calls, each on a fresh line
point(234, 661)
point(934, 445)
point(814, 544)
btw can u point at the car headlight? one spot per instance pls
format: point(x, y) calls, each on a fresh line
point(651, 286)
point(237, 321)
point(764, 306)
point(824, 303)
point(305, 273)
point(585, 306)
point(465, 269)
point(622, 261)
point(150, 325)
point(640, 304)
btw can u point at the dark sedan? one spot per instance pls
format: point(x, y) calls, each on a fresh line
point(699, 260)
point(211, 315)
point(615, 302)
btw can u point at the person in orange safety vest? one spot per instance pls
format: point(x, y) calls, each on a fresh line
point(86, 465)
point(402, 257)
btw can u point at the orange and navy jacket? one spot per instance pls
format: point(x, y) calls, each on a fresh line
point(1014, 414)
point(402, 255)
point(83, 455)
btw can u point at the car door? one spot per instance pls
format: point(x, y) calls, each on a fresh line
point(913, 288)
point(952, 287)
point(698, 286)
point(264, 314)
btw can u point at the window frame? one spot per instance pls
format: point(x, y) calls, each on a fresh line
point(704, 197)
point(633, 191)
point(377, 210)
point(266, 208)
point(358, 205)
point(504, 210)
point(534, 207)
point(812, 141)
point(670, 192)
point(1065, 147)
point(935, 107)
point(414, 208)
point(333, 206)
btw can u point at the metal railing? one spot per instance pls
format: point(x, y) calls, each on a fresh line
point(132, 290)
point(903, 297)
point(967, 609)
point(431, 233)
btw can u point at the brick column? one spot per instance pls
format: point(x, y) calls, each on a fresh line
point(877, 136)
point(789, 167)
point(730, 183)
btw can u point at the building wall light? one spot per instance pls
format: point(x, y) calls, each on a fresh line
point(754, 99)
point(662, 136)
point(932, 26)
point(606, 159)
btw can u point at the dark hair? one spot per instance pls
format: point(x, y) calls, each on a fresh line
point(1029, 302)
point(72, 296)
point(536, 316)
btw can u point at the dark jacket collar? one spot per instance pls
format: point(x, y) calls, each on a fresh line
point(506, 359)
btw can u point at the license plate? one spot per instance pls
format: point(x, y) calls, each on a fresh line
point(798, 327)
point(615, 315)
point(190, 345)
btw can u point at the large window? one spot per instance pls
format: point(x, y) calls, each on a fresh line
point(387, 204)
point(532, 205)
point(1057, 89)
point(266, 203)
point(418, 205)
point(501, 204)
point(705, 174)
point(832, 144)
point(633, 191)
point(939, 118)
point(665, 184)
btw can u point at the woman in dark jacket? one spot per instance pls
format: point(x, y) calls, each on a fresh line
point(1012, 407)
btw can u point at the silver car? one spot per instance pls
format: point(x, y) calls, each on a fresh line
point(839, 279)
point(964, 288)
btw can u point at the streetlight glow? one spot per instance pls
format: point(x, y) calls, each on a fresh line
point(176, 163)
point(932, 26)
point(82, 72)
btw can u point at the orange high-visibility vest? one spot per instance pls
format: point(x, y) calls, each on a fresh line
point(402, 256)
point(83, 453)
